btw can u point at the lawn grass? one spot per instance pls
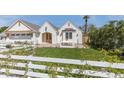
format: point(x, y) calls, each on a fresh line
point(22, 51)
point(76, 53)
point(58, 52)
point(69, 53)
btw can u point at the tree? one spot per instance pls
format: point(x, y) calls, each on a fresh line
point(92, 34)
point(85, 34)
point(86, 22)
point(92, 28)
point(2, 29)
point(109, 36)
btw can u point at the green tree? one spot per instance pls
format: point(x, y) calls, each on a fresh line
point(109, 36)
point(86, 22)
point(85, 34)
point(2, 29)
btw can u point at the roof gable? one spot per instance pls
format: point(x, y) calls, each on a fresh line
point(31, 25)
point(49, 25)
point(18, 26)
point(69, 25)
point(21, 25)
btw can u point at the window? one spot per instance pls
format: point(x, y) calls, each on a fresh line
point(45, 28)
point(17, 34)
point(68, 24)
point(23, 34)
point(70, 35)
point(29, 34)
point(19, 23)
point(66, 35)
point(13, 35)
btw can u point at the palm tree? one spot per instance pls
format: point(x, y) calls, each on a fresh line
point(85, 34)
point(86, 22)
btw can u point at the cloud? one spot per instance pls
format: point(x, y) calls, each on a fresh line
point(7, 19)
point(115, 17)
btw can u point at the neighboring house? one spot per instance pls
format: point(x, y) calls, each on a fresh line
point(22, 31)
point(47, 35)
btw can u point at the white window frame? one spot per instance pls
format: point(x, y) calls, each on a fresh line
point(67, 35)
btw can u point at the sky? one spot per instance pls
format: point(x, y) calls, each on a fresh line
point(59, 20)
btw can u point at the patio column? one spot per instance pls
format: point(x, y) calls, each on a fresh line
point(44, 37)
point(34, 38)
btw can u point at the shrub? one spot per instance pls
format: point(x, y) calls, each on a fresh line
point(111, 55)
point(8, 46)
point(114, 52)
point(122, 55)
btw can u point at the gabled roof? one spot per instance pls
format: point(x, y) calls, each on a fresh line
point(36, 28)
point(72, 24)
point(31, 26)
point(54, 27)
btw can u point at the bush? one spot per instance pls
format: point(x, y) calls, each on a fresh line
point(122, 55)
point(8, 46)
point(114, 52)
point(111, 55)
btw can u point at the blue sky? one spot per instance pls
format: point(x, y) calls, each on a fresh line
point(59, 20)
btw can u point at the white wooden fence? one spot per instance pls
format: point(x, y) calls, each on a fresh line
point(73, 71)
point(30, 73)
point(64, 61)
point(44, 75)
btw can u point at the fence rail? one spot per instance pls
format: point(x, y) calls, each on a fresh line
point(61, 69)
point(30, 73)
point(66, 61)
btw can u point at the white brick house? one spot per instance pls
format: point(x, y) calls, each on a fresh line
point(45, 36)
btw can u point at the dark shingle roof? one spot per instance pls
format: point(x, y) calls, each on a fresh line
point(31, 25)
point(51, 25)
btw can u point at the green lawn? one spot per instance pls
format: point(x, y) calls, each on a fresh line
point(58, 53)
point(76, 53)
point(70, 53)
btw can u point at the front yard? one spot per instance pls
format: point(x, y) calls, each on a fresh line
point(58, 53)
point(68, 53)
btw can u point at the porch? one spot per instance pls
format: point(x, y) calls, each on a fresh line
point(70, 44)
point(20, 36)
point(67, 44)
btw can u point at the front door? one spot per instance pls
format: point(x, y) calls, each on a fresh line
point(47, 37)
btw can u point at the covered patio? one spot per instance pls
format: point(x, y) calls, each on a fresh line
point(20, 35)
